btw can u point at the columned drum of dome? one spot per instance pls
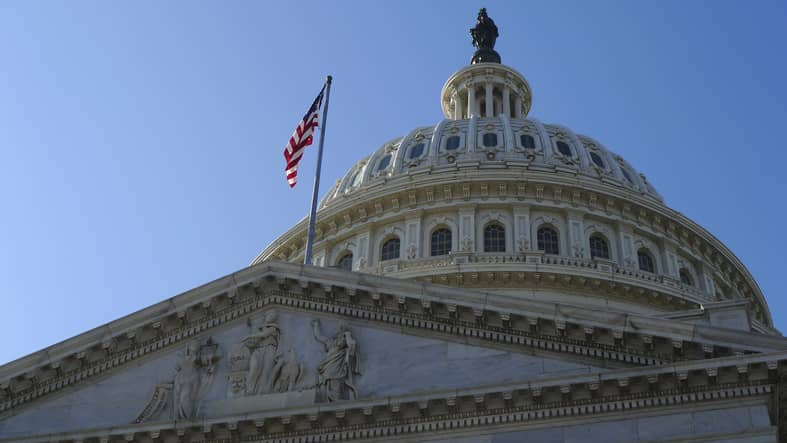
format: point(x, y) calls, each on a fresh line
point(581, 224)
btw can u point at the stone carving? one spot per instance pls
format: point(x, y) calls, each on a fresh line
point(257, 367)
point(467, 244)
point(523, 244)
point(411, 251)
point(194, 374)
point(263, 346)
point(338, 369)
point(290, 375)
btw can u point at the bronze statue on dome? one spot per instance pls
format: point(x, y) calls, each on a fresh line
point(484, 36)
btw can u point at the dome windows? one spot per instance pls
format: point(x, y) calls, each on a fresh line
point(416, 151)
point(564, 149)
point(597, 160)
point(599, 248)
point(390, 249)
point(452, 143)
point(645, 260)
point(345, 262)
point(548, 240)
point(527, 141)
point(685, 277)
point(490, 139)
point(441, 242)
point(384, 162)
point(494, 238)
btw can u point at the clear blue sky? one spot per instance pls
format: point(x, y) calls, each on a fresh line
point(140, 142)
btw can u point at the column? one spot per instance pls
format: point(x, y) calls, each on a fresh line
point(490, 110)
point(470, 100)
point(412, 237)
point(466, 238)
point(576, 240)
point(627, 257)
point(521, 227)
point(362, 260)
point(457, 106)
point(507, 101)
point(517, 106)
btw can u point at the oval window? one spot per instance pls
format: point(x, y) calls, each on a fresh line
point(527, 141)
point(452, 143)
point(490, 139)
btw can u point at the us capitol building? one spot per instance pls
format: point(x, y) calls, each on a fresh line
point(486, 279)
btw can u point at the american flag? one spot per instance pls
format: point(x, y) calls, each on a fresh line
point(300, 139)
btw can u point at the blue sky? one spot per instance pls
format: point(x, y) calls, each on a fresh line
point(140, 142)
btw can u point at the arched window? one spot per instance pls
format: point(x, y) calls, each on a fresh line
point(346, 262)
point(441, 241)
point(685, 277)
point(527, 140)
point(490, 139)
point(564, 149)
point(599, 248)
point(390, 249)
point(645, 261)
point(494, 238)
point(452, 143)
point(548, 240)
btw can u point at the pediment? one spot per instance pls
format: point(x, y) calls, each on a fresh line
point(426, 337)
point(274, 359)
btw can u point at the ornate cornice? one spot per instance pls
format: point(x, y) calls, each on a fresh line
point(710, 383)
point(409, 306)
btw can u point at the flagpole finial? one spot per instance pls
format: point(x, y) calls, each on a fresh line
point(330, 79)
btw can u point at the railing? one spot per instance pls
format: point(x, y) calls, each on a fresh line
point(392, 267)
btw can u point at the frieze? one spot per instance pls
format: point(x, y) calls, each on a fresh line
point(533, 402)
point(230, 309)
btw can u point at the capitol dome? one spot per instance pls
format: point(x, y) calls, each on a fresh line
point(495, 200)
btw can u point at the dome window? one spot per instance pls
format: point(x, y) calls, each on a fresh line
point(645, 261)
point(527, 141)
point(597, 159)
point(685, 277)
point(548, 241)
point(452, 143)
point(494, 238)
point(390, 250)
point(627, 175)
point(599, 248)
point(564, 149)
point(490, 139)
point(346, 262)
point(356, 180)
point(384, 162)
point(441, 242)
point(416, 151)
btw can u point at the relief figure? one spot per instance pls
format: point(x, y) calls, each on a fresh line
point(340, 365)
point(263, 362)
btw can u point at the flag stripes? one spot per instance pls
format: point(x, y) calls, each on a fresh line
point(302, 137)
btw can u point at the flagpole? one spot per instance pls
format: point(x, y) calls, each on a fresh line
point(307, 259)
